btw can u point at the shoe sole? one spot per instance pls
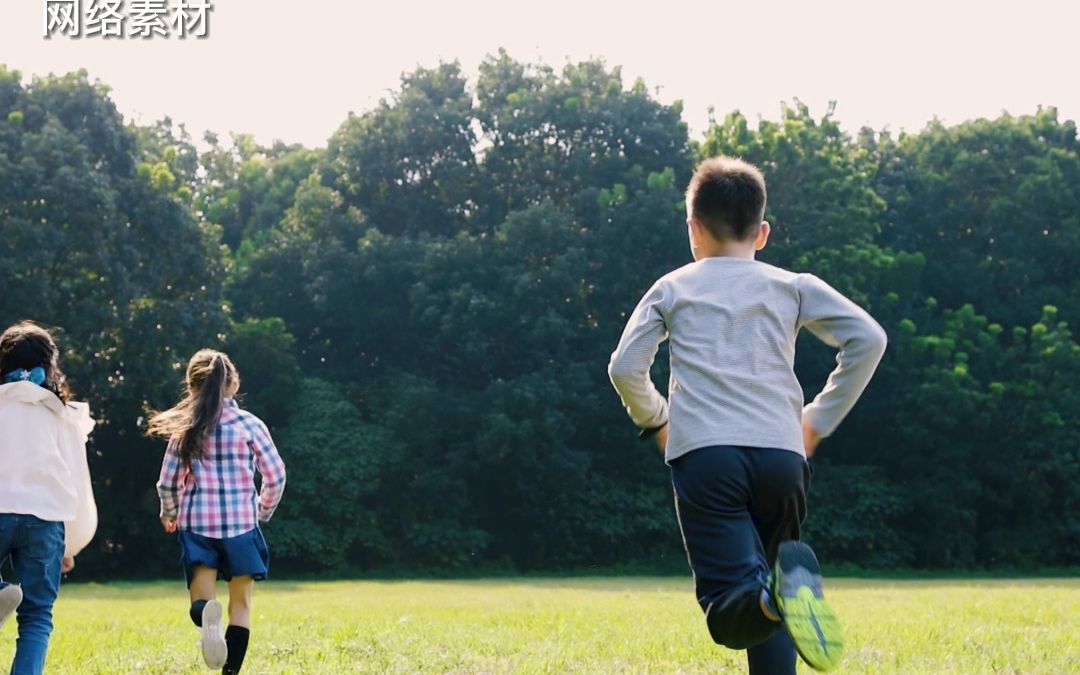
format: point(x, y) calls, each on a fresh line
point(10, 599)
point(214, 650)
point(809, 619)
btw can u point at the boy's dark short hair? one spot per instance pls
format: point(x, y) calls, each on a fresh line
point(727, 196)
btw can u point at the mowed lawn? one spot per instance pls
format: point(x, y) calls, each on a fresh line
point(602, 625)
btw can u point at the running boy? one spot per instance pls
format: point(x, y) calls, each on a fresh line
point(739, 433)
point(207, 491)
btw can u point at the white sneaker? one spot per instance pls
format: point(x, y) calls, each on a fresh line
point(214, 650)
point(10, 598)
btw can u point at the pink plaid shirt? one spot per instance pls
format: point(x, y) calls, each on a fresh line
point(216, 496)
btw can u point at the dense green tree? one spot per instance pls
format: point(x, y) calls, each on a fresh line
point(262, 352)
point(552, 136)
point(821, 191)
point(100, 243)
point(336, 464)
point(1034, 455)
point(171, 156)
point(410, 165)
point(295, 270)
point(423, 313)
point(247, 188)
point(995, 203)
point(856, 517)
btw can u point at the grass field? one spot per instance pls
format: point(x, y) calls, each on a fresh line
point(603, 625)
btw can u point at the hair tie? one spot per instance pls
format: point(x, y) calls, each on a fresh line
point(35, 375)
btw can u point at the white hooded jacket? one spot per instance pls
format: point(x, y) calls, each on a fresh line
point(43, 467)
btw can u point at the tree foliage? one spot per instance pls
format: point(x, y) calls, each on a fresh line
point(423, 312)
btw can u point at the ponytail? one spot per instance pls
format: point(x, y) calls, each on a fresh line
point(211, 376)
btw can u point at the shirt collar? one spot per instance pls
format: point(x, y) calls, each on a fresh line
point(229, 403)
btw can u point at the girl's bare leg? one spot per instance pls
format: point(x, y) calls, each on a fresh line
point(239, 630)
point(203, 583)
point(240, 590)
point(206, 613)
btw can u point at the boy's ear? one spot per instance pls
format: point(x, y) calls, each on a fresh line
point(763, 235)
point(694, 227)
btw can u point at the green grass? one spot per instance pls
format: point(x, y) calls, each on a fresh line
point(597, 625)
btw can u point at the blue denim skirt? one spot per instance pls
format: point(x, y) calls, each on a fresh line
point(240, 556)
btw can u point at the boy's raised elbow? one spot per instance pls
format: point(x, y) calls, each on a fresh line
point(878, 340)
point(620, 371)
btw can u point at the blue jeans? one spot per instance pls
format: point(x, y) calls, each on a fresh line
point(36, 548)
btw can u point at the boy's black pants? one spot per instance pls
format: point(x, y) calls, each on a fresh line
point(735, 507)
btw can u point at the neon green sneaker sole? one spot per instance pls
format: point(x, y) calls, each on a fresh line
point(797, 591)
point(814, 629)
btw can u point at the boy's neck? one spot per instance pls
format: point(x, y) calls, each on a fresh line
point(718, 249)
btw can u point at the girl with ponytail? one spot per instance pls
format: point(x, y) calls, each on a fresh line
point(208, 495)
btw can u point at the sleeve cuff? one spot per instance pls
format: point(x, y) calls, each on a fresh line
point(651, 431)
point(812, 417)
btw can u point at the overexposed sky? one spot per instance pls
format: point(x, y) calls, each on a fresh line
point(292, 70)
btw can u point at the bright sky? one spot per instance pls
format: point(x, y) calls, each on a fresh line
point(293, 70)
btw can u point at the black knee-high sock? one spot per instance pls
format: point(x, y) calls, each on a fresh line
point(196, 611)
point(236, 638)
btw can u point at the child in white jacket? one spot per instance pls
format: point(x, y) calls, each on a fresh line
point(47, 509)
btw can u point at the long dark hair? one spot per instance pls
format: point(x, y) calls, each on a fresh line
point(211, 378)
point(27, 345)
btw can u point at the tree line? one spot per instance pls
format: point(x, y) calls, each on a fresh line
point(423, 311)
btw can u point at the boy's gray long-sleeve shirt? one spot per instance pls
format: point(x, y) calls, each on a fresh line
point(732, 323)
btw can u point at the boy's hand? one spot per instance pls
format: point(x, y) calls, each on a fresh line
point(169, 524)
point(661, 439)
point(67, 564)
point(811, 438)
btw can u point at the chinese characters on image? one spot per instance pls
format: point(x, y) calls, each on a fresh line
point(127, 18)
